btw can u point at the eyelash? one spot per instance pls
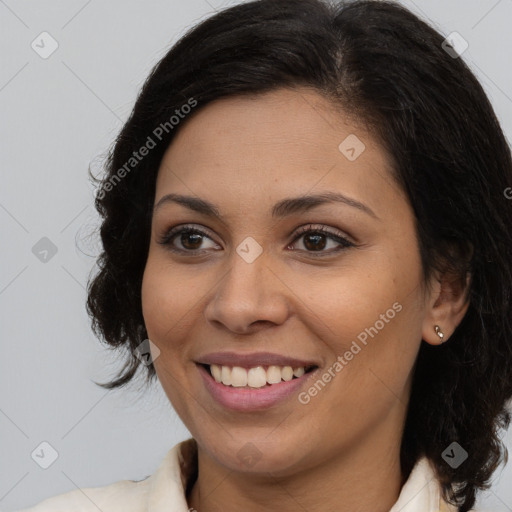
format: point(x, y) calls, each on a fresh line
point(168, 237)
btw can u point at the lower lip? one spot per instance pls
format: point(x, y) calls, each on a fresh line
point(252, 399)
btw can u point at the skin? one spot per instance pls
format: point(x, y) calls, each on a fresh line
point(341, 451)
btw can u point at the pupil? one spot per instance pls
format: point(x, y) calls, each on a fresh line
point(317, 241)
point(195, 236)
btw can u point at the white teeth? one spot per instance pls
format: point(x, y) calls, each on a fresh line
point(299, 372)
point(287, 373)
point(238, 377)
point(273, 374)
point(225, 375)
point(216, 372)
point(255, 377)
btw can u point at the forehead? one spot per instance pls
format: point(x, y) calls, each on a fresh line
point(278, 144)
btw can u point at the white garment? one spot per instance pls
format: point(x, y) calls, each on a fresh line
point(165, 490)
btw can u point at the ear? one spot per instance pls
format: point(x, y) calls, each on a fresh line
point(446, 306)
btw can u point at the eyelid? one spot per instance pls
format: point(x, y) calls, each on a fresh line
point(337, 236)
point(168, 234)
point(321, 228)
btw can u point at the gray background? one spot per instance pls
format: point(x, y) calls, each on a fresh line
point(58, 115)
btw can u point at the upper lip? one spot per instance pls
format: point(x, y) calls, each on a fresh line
point(250, 360)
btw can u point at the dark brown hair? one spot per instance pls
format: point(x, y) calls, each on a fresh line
point(388, 69)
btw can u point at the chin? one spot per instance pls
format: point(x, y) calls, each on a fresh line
point(257, 455)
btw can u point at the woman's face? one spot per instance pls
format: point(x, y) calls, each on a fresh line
point(253, 284)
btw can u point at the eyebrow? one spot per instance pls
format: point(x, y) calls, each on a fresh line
point(283, 208)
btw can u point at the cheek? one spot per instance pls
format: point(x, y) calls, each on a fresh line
point(155, 302)
point(164, 297)
point(162, 309)
point(347, 302)
point(169, 307)
point(371, 316)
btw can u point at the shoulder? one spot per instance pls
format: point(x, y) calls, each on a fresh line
point(161, 491)
point(422, 491)
point(122, 496)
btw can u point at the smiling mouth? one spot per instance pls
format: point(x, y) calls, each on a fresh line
point(255, 377)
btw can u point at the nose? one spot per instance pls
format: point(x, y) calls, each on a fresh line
point(249, 297)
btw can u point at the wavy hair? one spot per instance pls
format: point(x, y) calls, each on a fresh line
point(381, 64)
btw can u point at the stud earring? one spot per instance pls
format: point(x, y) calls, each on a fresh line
point(439, 332)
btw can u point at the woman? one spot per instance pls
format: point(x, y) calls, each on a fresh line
point(306, 239)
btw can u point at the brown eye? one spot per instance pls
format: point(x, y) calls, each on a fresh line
point(315, 240)
point(191, 239)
